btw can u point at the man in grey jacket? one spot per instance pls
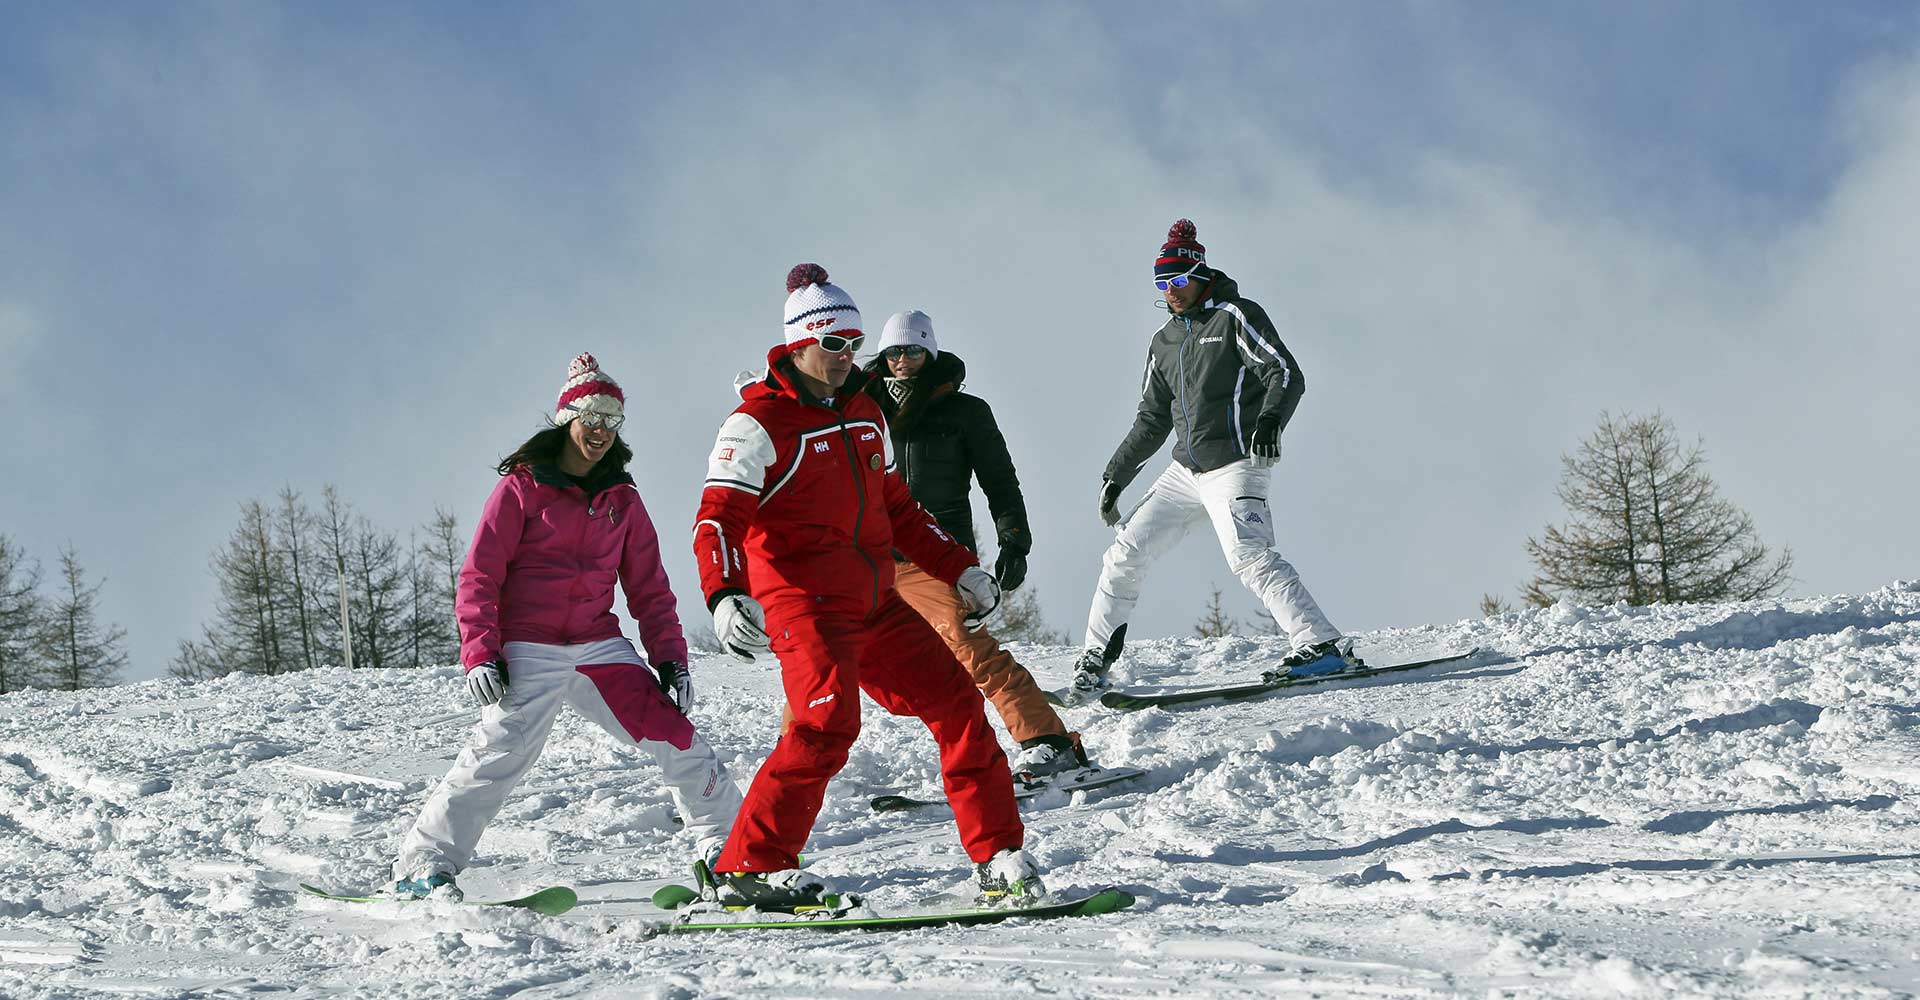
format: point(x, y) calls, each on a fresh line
point(1219, 379)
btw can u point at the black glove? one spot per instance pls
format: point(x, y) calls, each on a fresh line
point(1010, 568)
point(1266, 437)
point(1109, 502)
point(676, 683)
point(487, 682)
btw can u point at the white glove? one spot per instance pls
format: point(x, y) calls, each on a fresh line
point(740, 626)
point(487, 682)
point(981, 593)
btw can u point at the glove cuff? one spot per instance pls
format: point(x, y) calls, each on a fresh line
point(714, 599)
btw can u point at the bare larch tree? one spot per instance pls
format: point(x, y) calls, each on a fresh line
point(1648, 525)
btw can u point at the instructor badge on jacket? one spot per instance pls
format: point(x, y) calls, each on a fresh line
point(873, 462)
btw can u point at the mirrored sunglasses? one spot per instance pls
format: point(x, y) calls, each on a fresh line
point(833, 343)
point(1177, 281)
point(594, 418)
point(914, 351)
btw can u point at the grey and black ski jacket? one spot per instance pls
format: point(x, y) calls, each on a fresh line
point(1211, 374)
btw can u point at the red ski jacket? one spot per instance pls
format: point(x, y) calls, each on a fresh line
point(804, 498)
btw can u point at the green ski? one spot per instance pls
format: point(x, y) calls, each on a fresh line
point(551, 901)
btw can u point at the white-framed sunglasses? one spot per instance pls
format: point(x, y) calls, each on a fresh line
point(1178, 280)
point(594, 418)
point(833, 343)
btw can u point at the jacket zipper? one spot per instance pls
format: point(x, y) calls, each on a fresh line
point(860, 512)
point(1186, 404)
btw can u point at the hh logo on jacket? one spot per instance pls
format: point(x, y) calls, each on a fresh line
point(820, 446)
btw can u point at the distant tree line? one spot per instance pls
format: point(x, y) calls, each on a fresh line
point(301, 587)
point(52, 637)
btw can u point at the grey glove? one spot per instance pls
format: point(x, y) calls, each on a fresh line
point(676, 682)
point(487, 682)
point(1109, 502)
point(740, 625)
point(980, 592)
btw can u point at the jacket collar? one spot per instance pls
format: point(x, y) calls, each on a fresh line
point(598, 479)
point(783, 380)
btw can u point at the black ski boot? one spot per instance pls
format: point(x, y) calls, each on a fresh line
point(1090, 670)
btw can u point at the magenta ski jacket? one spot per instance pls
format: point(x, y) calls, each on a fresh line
point(544, 561)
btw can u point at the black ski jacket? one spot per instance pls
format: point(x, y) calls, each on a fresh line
point(1211, 374)
point(943, 438)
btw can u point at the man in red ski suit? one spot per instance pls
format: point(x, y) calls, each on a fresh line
point(802, 510)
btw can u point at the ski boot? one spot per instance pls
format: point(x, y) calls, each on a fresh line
point(1334, 656)
point(1046, 756)
point(432, 885)
point(787, 891)
point(1010, 878)
point(1090, 670)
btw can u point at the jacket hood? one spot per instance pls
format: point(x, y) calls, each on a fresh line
point(1223, 288)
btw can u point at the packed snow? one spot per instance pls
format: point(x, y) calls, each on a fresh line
point(1706, 800)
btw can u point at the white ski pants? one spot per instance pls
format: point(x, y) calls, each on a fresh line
point(605, 681)
point(1234, 498)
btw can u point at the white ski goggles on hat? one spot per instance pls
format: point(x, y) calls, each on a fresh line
point(594, 418)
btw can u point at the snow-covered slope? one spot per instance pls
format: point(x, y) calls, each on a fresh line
point(1704, 800)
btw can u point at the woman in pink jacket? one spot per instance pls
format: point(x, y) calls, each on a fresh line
point(537, 631)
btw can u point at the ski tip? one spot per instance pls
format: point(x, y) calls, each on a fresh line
point(673, 897)
point(1104, 901)
point(549, 902)
point(1054, 699)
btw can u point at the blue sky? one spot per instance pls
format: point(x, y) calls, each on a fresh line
point(246, 245)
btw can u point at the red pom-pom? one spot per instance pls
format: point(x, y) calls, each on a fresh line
point(803, 275)
point(582, 365)
point(1182, 230)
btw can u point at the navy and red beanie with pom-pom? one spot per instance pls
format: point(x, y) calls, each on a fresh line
point(816, 306)
point(1181, 253)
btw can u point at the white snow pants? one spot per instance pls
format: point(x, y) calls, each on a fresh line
point(605, 681)
point(1235, 499)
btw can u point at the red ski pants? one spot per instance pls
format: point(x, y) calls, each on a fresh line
point(828, 655)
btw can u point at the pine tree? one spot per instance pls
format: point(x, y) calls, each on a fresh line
point(1648, 525)
point(333, 530)
point(442, 554)
point(252, 619)
point(20, 617)
point(293, 536)
point(1214, 622)
point(378, 598)
point(77, 651)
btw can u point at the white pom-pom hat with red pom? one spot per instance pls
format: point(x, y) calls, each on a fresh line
point(588, 389)
point(817, 307)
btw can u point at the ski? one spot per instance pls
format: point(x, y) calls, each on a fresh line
point(551, 901)
point(1133, 701)
point(1104, 901)
point(1024, 787)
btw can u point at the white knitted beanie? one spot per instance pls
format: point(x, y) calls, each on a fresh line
point(816, 306)
point(912, 328)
